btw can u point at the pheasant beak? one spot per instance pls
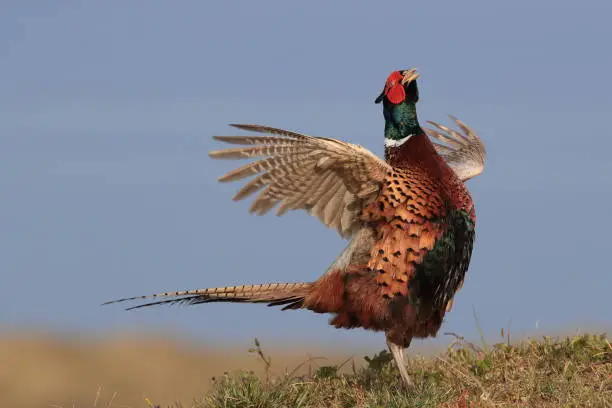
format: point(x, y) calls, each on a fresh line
point(409, 76)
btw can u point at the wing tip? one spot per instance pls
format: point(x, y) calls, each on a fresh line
point(214, 154)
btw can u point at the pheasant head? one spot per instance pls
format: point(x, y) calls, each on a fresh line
point(399, 98)
point(400, 87)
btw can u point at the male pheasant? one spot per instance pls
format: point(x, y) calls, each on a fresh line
point(410, 219)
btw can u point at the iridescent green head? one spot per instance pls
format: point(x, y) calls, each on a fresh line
point(399, 98)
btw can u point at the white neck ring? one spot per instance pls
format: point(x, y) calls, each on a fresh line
point(396, 143)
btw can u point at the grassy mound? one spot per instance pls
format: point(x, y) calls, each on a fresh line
point(568, 372)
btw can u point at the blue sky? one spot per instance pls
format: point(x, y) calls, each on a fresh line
point(107, 111)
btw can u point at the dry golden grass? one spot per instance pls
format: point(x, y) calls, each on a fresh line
point(38, 371)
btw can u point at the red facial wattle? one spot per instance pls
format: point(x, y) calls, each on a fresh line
point(394, 89)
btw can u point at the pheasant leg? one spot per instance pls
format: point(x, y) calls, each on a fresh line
point(398, 355)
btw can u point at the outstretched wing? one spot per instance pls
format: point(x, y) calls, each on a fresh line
point(331, 179)
point(464, 152)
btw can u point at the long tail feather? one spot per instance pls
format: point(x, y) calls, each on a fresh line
point(275, 294)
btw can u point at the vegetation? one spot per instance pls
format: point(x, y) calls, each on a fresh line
point(569, 372)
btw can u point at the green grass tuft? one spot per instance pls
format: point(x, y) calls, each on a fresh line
point(568, 372)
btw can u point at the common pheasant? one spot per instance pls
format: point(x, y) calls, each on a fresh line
point(410, 219)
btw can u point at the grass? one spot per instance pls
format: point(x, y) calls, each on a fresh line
point(551, 372)
point(41, 371)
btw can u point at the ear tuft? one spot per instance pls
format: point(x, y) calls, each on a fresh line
point(380, 97)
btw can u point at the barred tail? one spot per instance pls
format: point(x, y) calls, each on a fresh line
point(275, 294)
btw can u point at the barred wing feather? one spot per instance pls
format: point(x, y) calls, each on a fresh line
point(331, 179)
point(464, 152)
